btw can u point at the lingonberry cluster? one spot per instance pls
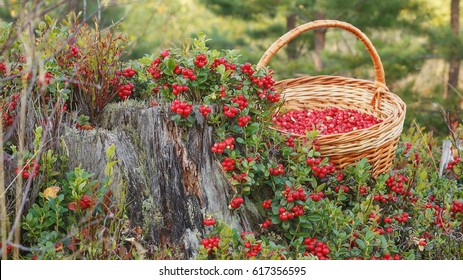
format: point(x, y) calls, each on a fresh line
point(236, 202)
point(294, 194)
point(316, 248)
point(456, 160)
point(267, 204)
point(230, 112)
point(457, 207)
point(223, 61)
point(402, 218)
point(279, 170)
point(200, 60)
point(252, 250)
point(165, 53)
point(125, 91)
point(223, 92)
point(220, 147)
point(209, 222)
point(396, 184)
point(30, 169)
point(243, 121)
point(176, 89)
point(290, 142)
point(408, 146)
point(2, 69)
point(328, 121)
point(346, 189)
point(8, 110)
point(241, 101)
point(247, 69)
point(228, 164)
point(298, 210)
point(204, 110)
point(316, 196)
point(182, 108)
point(154, 69)
point(318, 170)
point(284, 214)
point(267, 223)
point(73, 51)
point(265, 82)
point(85, 201)
point(129, 72)
point(273, 98)
point(189, 74)
point(210, 243)
point(387, 220)
point(380, 198)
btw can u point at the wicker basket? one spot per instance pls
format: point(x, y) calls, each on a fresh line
point(377, 143)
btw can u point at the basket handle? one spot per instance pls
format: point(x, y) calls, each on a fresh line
point(380, 82)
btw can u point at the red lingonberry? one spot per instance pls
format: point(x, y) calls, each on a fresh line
point(200, 60)
point(243, 121)
point(204, 110)
point(230, 111)
point(267, 204)
point(209, 221)
point(279, 170)
point(85, 201)
point(165, 53)
point(125, 90)
point(129, 72)
point(228, 164)
point(224, 62)
point(220, 147)
point(189, 74)
point(182, 108)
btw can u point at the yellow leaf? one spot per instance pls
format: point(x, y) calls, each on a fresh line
point(51, 192)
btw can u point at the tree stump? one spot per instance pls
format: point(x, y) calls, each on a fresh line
point(169, 172)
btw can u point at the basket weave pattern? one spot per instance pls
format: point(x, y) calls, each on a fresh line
point(377, 143)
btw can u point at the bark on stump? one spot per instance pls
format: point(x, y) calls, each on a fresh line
point(170, 174)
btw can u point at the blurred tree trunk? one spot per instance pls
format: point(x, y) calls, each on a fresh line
point(454, 69)
point(291, 49)
point(319, 44)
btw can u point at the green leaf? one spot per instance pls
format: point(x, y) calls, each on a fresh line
point(145, 61)
point(240, 140)
point(285, 225)
point(361, 244)
point(314, 217)
point(48, 19)
point(253, 128)
point(171, 63)
point(369, 236)
point(320, 188)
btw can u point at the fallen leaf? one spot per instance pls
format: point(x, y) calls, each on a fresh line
point(51, 192)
